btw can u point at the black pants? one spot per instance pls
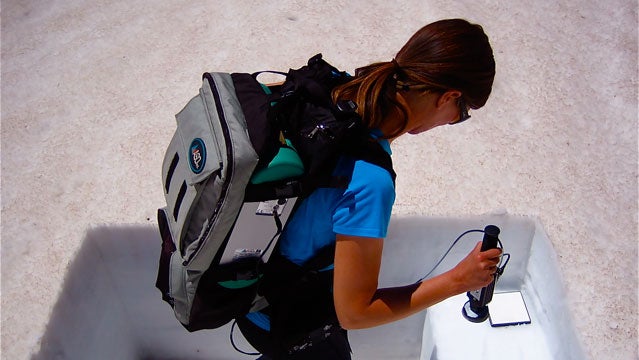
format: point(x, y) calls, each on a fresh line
point(335, 347)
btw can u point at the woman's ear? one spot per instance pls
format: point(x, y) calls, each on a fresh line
point(450, 95)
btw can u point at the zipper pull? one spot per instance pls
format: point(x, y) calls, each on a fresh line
point(322, 129)
point(313, 132)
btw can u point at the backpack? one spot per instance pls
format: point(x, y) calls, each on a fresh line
point(241, 143)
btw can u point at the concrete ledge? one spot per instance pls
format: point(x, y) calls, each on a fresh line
point(110, 309)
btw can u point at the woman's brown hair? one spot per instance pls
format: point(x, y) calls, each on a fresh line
point(445, 55)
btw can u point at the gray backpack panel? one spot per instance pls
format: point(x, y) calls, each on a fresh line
point(205, 171)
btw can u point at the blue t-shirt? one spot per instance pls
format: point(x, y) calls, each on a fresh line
point(362, 209)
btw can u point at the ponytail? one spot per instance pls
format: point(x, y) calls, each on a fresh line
point(373, 90)
point(445, 55)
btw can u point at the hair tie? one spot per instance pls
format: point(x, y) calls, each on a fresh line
point(399, 73)
point(398, 69)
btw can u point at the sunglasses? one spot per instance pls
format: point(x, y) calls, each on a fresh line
point(463, 111)
point(463, 108)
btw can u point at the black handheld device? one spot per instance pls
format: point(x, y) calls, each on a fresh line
point(476, 309)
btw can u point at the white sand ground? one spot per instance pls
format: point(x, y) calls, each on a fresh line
point(89, 90)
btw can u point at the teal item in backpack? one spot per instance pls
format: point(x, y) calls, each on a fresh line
point(285, 165)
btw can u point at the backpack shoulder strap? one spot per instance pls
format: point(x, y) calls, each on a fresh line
point(371, 151)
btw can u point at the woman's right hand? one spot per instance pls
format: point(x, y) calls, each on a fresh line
point(477, 269)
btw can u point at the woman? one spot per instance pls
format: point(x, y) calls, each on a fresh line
point(445, 68)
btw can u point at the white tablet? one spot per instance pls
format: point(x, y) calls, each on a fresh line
point(507, 309)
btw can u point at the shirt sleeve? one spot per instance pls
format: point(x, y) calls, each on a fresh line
point(366, 206)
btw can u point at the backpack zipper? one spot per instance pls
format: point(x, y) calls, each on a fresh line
point(229, 165)
point(326, 129)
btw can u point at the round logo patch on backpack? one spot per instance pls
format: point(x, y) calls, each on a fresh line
point(197, 156)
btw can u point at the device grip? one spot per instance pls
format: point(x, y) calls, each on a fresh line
point(491, 237)
point(480, 298)
point(476, 309)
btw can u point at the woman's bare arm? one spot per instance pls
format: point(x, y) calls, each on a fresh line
point(360, 304)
